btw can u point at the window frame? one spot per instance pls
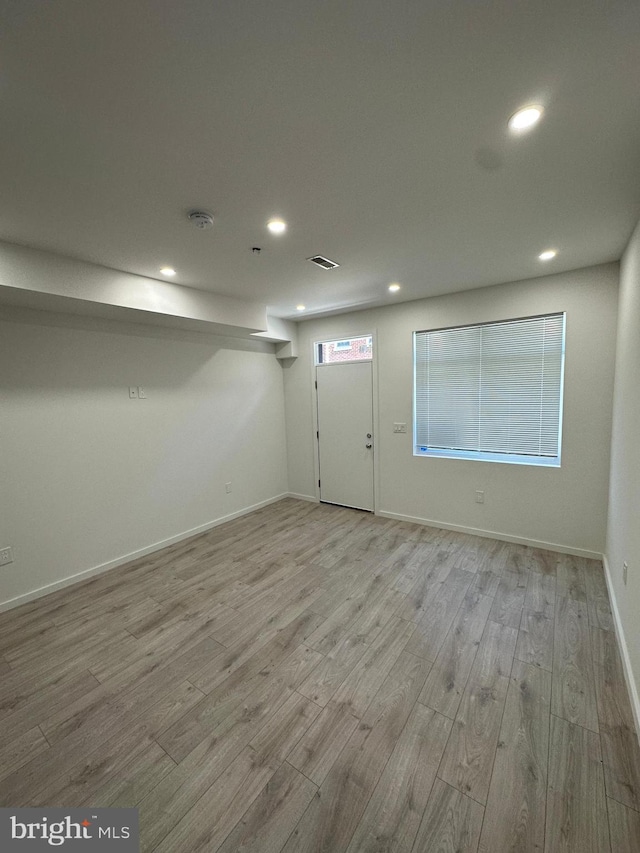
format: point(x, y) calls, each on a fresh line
point(483, 455)
point(357, 358)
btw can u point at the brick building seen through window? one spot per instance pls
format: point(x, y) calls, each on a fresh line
point(349, 349)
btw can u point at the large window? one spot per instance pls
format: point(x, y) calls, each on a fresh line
point(491, 392)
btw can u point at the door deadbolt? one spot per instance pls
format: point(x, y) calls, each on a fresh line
point(368, 435)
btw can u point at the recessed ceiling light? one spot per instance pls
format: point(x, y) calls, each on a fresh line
point(300, 307)
point(394, 288)
point(276, 226)
point(547, 255)
point(168, 271)
point(525, 118)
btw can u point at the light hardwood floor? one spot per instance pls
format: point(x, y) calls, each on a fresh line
point(313, 678)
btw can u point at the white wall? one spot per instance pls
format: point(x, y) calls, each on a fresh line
point(89, 476)
point(564, 508)
point(42, 280)
point(623, 534)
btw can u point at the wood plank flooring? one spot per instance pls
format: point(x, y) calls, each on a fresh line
point(313, 678)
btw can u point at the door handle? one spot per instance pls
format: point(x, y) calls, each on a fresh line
point(368, 446)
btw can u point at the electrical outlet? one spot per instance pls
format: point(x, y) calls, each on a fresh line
point(479, 497)
point(227, 488)
point(6, 556)
point(142, 394)
point(133, 392)
point(399, 427)
point(625, 567)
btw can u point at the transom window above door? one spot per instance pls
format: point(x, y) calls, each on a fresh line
point(358, 348)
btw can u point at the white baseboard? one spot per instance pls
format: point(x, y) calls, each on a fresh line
point(298, 497)
point(624, 650)
point(134, 555)
point(492, 534)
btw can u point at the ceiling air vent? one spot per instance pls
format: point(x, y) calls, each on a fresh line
point(325, 263)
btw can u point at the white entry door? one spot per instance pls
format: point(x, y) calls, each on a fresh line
point(345, 433)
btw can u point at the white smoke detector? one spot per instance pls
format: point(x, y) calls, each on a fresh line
point(201, 219)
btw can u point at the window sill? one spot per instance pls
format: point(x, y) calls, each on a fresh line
point(507, 458)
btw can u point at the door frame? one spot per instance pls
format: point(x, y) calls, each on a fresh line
point(347, 335)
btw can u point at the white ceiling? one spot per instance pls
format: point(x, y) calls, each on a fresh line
point(377, 130)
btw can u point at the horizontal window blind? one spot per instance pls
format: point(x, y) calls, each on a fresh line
point(491, 389)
